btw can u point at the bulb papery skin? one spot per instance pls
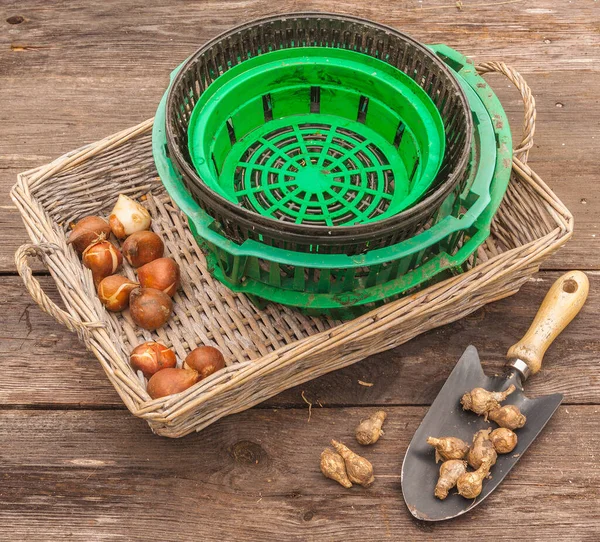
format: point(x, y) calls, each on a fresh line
point(151, 357)
point(508, 416)
point(87, 231)
point(207, 360)
point(470, 484)
point(447, 448)
point(333, 467)
point(450, 471)
point(170, 381)
point(114, 291)
point(482, 401)
point(161, 274)
point(150, 308)
point(128, 217)
point(103, 258)
point(143, 247)
point(359, 469)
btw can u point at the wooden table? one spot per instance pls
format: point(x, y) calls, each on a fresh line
point(75, 464)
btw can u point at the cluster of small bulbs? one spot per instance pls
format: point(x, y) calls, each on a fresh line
point(487, 444)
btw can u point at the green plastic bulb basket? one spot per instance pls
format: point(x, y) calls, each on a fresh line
point(318, 133)
point(346, 285)
point(317, 136)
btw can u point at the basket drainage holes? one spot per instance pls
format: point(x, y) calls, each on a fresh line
point(315, 99)
point(231, 131)
point(267, 107)
point(363, 105)
point(399, 134)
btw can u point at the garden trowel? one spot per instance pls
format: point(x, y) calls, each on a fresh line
point(447, 418)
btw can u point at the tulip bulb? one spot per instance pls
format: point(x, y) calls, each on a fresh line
point(142, 247)
point(87, 231)
point(169, 381)
point(150, 308)
point(151, 357)
point(103, 259)
point(205, 359)
point(114, 290)
point(128, 217)
point(161, 274)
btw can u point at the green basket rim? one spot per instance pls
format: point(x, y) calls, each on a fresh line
point(397, 92)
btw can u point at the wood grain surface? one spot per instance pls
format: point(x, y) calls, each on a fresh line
point(256, 477)
point(77, 465)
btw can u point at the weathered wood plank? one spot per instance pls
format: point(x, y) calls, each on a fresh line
point(92, 475)
point(41, 363)
point(75, 29)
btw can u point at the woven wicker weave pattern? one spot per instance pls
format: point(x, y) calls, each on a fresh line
point(268, 350)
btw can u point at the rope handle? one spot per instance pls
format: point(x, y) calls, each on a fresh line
point(522, 150)
point(36, 291)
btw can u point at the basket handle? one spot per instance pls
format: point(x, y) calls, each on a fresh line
point(522, 150)
point(37, 293)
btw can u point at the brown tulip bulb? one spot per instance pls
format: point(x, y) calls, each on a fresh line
point(205, 359)
point(87, 231)
point(161, 274)
point(151, 357)
point(114, 291)
point(142, 247)
point(169, 381)
point(103, 259)
point(150, 308)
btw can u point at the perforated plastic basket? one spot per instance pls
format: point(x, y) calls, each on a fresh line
point(315, 142)
point(344, 285)
point(317, 136)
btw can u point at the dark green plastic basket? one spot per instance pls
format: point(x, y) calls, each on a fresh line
point(344, 285)
point(318, 133)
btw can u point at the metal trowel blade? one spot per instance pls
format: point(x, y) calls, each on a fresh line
point(446, 418)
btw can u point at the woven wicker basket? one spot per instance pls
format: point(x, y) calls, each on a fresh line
point(268, 350)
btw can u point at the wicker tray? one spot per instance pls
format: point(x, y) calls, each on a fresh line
point(267, 350)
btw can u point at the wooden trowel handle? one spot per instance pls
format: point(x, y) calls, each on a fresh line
point(561, 304)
